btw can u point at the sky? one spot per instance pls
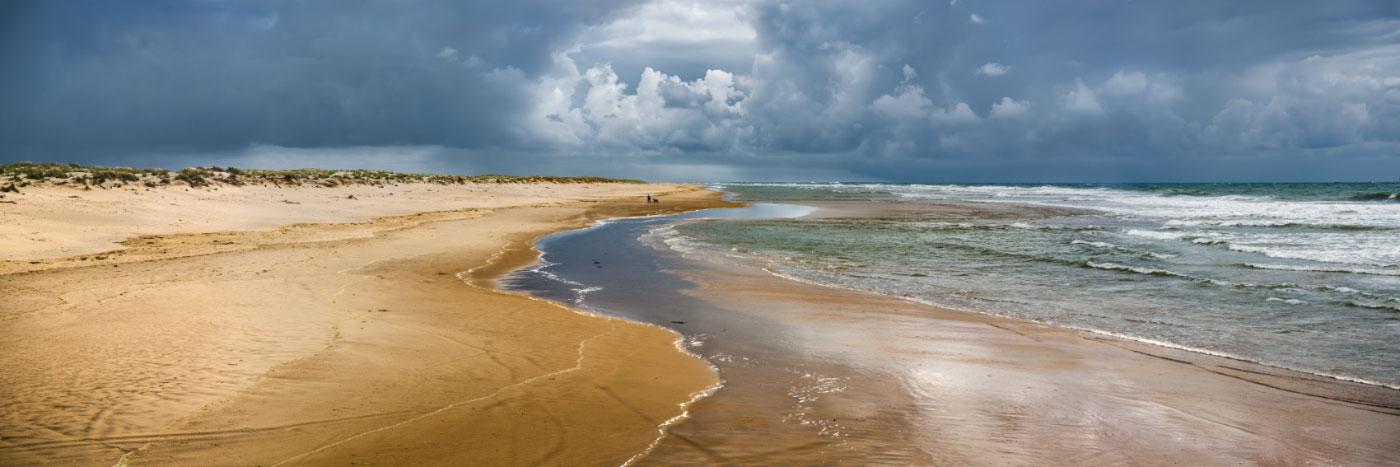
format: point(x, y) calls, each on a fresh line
point(672, 90)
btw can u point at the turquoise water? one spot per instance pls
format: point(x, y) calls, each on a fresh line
point(1303, 276)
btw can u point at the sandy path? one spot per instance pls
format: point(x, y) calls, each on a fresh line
point(331, 344)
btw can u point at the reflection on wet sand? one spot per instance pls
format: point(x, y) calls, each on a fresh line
point(924, 385)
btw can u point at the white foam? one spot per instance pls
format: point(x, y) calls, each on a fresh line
point(1156, 235)
point(582, 293)
point(1289, 267)
point(1110, 246)
point(1121, 267)
point(1094, 244)
point(1357, 251)
point(685, 413)
point(1375, 306)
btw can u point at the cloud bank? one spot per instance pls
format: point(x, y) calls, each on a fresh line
point(679, 90)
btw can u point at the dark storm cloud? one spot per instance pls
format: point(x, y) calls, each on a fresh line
point(672, 89)
point(1111, 78)
point(83, 78)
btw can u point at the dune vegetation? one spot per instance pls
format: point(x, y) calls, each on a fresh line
point(24, 174)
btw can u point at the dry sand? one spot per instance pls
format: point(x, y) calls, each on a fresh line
point(219, 334)
point(67, 222)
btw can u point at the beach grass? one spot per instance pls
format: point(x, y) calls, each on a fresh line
point(23, 174)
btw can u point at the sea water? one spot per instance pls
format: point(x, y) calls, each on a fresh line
point(1302, 276)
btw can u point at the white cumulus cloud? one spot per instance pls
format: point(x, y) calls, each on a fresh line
point(1082, 99)
point(908, 103)
point(993, 69)
point(1009, 107)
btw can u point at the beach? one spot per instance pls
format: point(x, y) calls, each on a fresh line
point(298, 326)
point(419, 324)
point(699, 233)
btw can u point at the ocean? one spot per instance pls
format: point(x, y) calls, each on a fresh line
point(1300, 276)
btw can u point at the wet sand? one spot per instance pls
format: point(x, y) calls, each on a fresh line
point(330, 343)
point(908, 383)
point(818, 375)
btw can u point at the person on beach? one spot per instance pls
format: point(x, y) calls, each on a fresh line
point(648, 199)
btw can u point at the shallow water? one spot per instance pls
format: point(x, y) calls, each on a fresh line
point(1303, 276)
